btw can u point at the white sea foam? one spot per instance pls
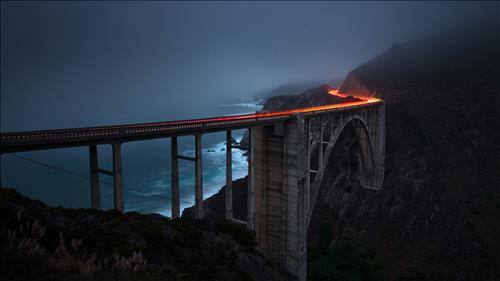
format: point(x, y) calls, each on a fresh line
point(214, 177)
point(243, 104)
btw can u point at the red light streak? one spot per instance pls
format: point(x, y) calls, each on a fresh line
point(194, 123)
point(335, 92)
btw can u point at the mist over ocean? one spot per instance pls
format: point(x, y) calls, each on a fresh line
point(146, 168)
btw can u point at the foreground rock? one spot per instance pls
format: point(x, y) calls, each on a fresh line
point(44, 243)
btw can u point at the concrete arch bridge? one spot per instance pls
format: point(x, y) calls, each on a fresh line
point(288, 152)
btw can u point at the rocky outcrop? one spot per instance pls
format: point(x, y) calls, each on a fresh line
point(313, 97)
point(45, 243)
point(295, 88)
point(215, 205)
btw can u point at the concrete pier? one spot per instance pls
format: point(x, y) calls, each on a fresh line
point(198, 203)
point(174, 179)
point(117, 178)
point(251, 181)
point(379, 151)
point(229, 177)
point(95, 195)
point(320, 143)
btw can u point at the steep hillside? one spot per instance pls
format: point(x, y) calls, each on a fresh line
point(438, 215)
point(44, 243)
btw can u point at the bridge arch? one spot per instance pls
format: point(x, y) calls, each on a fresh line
point(290, 164)
point(365, 144)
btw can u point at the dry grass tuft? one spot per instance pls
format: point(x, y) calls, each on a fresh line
point(27, 240)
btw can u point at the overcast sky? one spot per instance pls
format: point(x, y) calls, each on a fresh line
point(79, 64)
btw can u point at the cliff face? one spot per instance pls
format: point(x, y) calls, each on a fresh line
point(295, 88)
point(438, 214)
point(44, 243)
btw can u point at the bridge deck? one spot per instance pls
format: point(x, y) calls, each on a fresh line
point(60, 138)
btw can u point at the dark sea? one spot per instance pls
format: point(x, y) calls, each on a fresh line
point(145, 168)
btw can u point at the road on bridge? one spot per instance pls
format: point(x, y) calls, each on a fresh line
point(59, 138)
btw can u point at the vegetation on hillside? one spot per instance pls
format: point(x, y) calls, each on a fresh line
point(44, 243)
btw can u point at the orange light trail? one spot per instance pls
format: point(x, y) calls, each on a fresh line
point(58, 138)
point(335, 92)
point(361, 101)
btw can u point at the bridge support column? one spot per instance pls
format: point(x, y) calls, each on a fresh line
point(320, 144)
point(174, 179)
point(1, 186)
point(95, 195)
point(299, 201)
point(117, 178)
point(229, 177)
point(308, 149)
point(281, 195)
point(380, 146)
point(251, 181)
point(198, 202)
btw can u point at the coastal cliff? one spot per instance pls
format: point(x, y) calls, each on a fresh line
point(437, 216)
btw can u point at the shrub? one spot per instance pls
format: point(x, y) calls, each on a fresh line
point(26, 241)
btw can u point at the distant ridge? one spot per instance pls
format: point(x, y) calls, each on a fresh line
point(295, 88)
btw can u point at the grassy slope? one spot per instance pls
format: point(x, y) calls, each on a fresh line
point(180, 249)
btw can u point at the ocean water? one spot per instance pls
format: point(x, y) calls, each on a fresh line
point(145, 168)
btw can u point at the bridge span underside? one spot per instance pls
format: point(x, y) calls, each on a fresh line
point(288, 152)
